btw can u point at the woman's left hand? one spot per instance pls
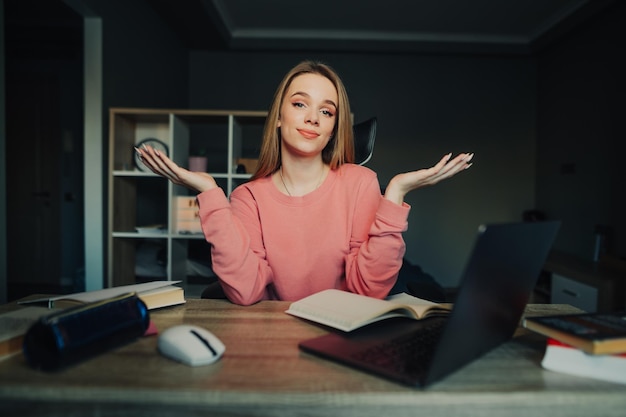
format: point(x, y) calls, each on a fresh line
point(401, 184)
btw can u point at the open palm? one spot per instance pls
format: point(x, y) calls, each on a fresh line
point(401, 184)
point(162, 165)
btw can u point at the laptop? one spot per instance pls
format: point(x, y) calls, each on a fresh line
point(501, 273)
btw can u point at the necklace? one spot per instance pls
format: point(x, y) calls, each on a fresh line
point(283, 181)
point(319, 182)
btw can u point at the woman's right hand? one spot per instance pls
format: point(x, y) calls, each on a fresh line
point(162, 165)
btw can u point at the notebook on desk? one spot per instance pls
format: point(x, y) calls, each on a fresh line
point(498, 279)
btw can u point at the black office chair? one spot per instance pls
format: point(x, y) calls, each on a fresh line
point(364, 136)
point(213, 291)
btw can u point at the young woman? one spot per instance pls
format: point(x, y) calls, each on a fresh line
point(309, 219)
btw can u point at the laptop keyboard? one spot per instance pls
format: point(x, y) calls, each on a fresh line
point(409, 353)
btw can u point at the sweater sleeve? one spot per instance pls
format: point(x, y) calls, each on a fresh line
point(377, 246)
point(243, 274)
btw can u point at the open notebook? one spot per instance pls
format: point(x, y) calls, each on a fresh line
point(497, 282)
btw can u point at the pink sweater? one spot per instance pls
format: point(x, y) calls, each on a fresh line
point(267, 245)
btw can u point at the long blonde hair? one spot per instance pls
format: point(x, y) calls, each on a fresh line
point(340, 148)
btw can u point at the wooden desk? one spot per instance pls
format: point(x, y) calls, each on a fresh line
point(264, 374)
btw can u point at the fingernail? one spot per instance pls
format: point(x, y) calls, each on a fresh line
point(469, 165)
point(469, 157)
point(144, 146)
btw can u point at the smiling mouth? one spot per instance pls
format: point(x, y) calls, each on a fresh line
point(309, 134)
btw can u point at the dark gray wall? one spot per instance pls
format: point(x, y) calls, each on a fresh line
point(526, 118)
point(426, 106)
point(3, 190)
point(529, 119)
point(144, 64)
point(581, 133)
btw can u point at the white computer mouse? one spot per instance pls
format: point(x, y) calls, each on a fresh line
point(191, 345)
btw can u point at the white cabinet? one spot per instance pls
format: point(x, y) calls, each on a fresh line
point(591, 286)
point(569, 291)
point(145, 241)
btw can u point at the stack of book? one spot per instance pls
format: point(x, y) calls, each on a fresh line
point(591, 345)
point(15, 324)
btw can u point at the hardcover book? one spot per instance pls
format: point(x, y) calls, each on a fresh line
point(13, 327)
point(564, 358)
point(155, 294)
point(595, 333)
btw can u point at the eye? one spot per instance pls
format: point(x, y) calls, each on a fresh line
point(298, 104)
point(327, 113)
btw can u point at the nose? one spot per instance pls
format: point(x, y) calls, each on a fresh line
point(313, 117)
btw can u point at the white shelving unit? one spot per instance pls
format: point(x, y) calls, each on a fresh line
point(139, 200)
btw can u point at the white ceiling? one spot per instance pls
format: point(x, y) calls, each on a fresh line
point(404, 26)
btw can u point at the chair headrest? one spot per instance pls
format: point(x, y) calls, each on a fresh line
point(364, 137)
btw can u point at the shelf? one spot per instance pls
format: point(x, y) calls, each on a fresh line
point(138, 198)
point(125, 173)
point(138, 235)
point(198, 236)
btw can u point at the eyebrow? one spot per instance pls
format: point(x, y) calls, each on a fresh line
point(302, 93)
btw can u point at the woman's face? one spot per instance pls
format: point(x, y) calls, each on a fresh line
point(308, 114)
